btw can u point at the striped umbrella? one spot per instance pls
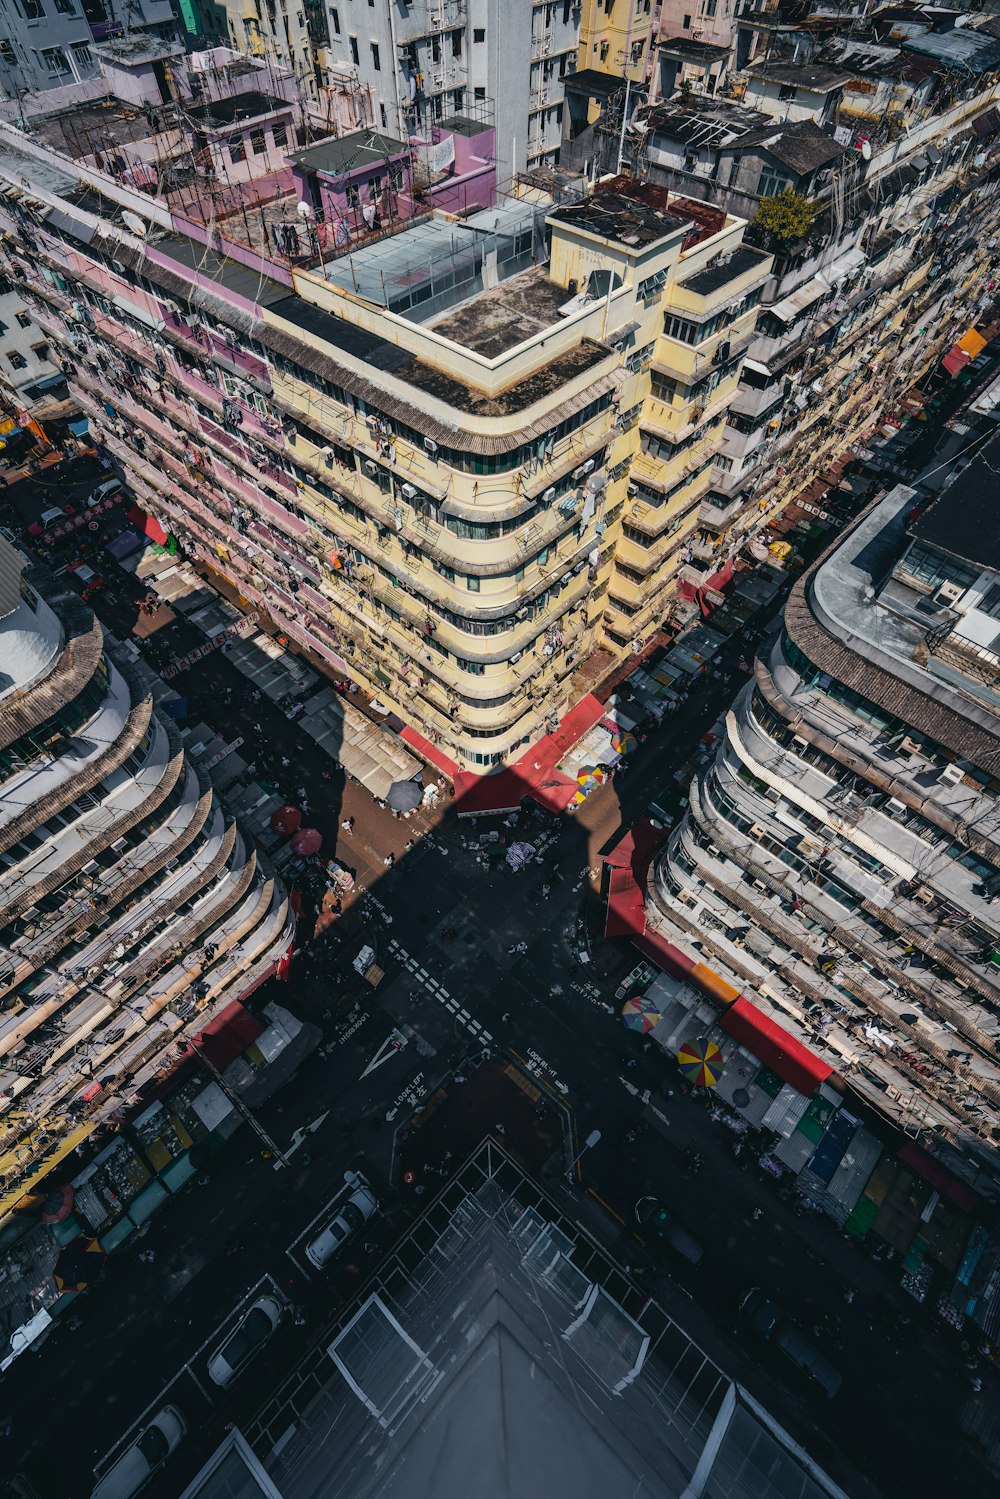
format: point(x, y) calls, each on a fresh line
point(701, 1062)
point(640, 1014)
point(624, 744)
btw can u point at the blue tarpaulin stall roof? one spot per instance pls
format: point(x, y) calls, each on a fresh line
point(125, 544)
point(80, 427)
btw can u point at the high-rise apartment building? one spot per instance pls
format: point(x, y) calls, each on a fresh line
point(46, 44)
point(132, 907)
point(840, 858)
point(414, 65)
point(460, 459)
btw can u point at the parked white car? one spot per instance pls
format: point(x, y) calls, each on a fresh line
point(147, 1454)
point(354, 1213)
point(102, 491)
point(246, 1340)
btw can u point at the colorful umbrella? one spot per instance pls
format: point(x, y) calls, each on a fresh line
point(591, 774)
point(624, 744)
point(79, 1264)
point(58, 1204)
point(286, 820)
point(701, 1062)
point(307, 841)
point(640, 1014)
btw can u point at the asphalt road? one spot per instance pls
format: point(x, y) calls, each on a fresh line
point(443, 927)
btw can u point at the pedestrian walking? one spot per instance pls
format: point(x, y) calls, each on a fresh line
point(348, 826)
point(389, 860)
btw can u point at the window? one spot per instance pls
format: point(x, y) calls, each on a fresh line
point(456, 44)
point(686, 23)
point(479, 34)
point(786, 91)
point(353, 196)
point(988, 604)
point(355, 54)
point(258, 142)
point(34, 10)
point(385, 118)
point(279, 134)
point(335, 18)
point(7, 52)
point(376, 57)
point(479, 93)
point(435, 49)
point(237, 148)
point(24, 319)
point(18, 362)
point(82, 56)
point(458, 100)
point(472, 584)
point(55, 61)
point(65, 7)
point(771, 183)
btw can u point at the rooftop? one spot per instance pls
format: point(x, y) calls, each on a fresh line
point(232, 111)
point(725, 268)
point(631, 213)
point(350, 153)
point(232, 274)
point(599, 85)
point(137, 49)
point(87, 128)
point(802, 146)
point(813, 76)
point(500, 319)
point(689, 49)
point(499, 1348)
point(709, 123)
point(963, 519)
point(959, 48)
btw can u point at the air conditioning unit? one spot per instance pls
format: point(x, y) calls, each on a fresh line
point(548, 496)
point(584, 469)
point(326, 454)
point(410, 490)
point(952, 774)
point(515, 658)
point(949, 593)
point(430, 446)
point(756, 831)
point(370, 467)
point(799, 743)
point(895, 808)
point(908, 746)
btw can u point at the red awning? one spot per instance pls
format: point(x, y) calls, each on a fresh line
point(227, 1035)
point(664, 954)
point(794, 1063)
point(626, 906)
point(955, 361)
point(939, 1176)
point(147, 525)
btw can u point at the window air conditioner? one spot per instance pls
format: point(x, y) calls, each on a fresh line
point(548, 496)
point(584, 469)
point(430, 446)
point(952, 774)
point(949, 593)
point(908, 746)
point(756, 831)
point(370, 467)
point(326, 454)
point(410, 490)
point(799, 743)
point(895, 808)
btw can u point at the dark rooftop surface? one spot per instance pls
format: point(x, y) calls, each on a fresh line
point(803, 75)
point(241, 107)
point(462, 125)
point(709, 122)
point(231, 274)
point(691, 50)
point(963, 520)
point(599, 85)
point(802, 147)
point(628, 212)
point(87, 128)
point(388, 357)
point(725, 269)
point(500, 319)
point(350, 153)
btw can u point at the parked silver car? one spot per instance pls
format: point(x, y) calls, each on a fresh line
point(150, 1450)
point(355, 1212)
point(246, 1340)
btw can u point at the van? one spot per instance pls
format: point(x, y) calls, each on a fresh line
point(769, 1321)
point(156, 1441)
point(103, 490)
point(47, 519)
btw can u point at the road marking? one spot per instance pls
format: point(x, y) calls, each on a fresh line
point(436, 990)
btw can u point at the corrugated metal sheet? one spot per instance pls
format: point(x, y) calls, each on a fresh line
point(11, 567)
point(786, 1110)
point(859, 1161)
point(794, 1151)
